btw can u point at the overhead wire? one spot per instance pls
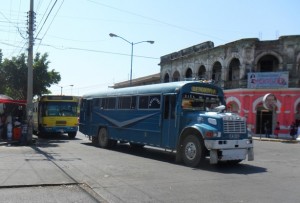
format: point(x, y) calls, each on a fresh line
point(51, 22)
point(156, 20)
point(97, 51)
point(18, 30)
point(46, 18)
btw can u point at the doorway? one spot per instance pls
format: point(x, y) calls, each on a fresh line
point(262, 116)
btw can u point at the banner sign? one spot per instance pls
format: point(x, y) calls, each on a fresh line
point(268, 80)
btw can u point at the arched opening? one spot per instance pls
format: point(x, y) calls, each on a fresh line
point(176, 76)
point(263, 115)
point(189, 73)
point(268, 63)
point(202, 72)
point(232, 107)
point(234, 70)
point(217, 72)
point(166, 78)
point(297, 115)
point(233, 77)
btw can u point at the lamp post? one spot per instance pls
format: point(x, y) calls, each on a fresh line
point(61, 87)
point(131, 43)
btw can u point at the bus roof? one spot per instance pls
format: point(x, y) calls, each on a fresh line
point(62, 98)
point(171, 87)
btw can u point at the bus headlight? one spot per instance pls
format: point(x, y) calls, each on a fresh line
point(210, 134)
point(212, 121)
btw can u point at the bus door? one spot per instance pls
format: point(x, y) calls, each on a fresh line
point(169, 127)
point(86, 116)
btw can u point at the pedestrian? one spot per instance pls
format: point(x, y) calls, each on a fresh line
point(277, 128)
point(1, 126)
point(293, 130)
point(298, 133)
point(267, 129)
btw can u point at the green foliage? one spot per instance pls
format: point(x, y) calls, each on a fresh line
point(13, 76)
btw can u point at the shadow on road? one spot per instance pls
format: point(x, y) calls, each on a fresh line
point(52, 140)
point(244, 167)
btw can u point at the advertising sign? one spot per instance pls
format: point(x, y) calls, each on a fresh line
point(268, 80)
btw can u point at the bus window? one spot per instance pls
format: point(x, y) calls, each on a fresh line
point(127, 102)
point(96, 102)
point(110, 103)
point(154, 102)
point(133, 102)
point(143, 102)
point(170, 103)
point(149, 102)
point(124, 103)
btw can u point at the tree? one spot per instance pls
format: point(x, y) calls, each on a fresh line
point(14, 75)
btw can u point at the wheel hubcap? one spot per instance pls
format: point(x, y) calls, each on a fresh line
point(190, 150)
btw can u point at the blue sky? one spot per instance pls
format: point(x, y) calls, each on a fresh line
point(76, 33)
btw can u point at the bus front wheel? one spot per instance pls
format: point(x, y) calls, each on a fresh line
point(72, 135)
point(193, 151)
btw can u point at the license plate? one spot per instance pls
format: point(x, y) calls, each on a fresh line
point(234, 136)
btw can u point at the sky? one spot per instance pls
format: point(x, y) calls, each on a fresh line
point(75, 33)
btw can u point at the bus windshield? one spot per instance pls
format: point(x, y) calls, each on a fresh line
point(59, 109)
point(200, 102)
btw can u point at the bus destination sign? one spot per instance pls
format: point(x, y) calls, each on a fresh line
point(204, 90)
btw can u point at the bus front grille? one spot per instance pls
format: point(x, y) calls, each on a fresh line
point(234, 126)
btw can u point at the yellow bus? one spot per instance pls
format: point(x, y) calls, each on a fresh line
point(56, 114)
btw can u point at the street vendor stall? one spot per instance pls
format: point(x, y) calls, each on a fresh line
point(12, 116)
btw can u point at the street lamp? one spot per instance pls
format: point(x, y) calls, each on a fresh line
point(61, 87)
point(132, 43)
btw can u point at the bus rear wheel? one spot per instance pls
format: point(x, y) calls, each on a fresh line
point(103, 139)
point(193, 151)
point(72, 135)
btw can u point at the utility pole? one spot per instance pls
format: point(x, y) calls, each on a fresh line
point(29, 109)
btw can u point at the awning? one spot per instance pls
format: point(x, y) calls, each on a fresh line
point(4, 99)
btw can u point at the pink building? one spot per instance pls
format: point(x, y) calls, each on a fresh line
point(247, 70)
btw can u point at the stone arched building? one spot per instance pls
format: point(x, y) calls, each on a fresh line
point(247, 70)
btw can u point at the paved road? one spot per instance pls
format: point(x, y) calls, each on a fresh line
point(66, 168)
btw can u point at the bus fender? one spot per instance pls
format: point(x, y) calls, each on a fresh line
point(186, 131)
point(197, 129)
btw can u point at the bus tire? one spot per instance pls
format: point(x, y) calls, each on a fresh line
point(95, 140)
point(103, 138)
point(72, 135)
point(193, 151)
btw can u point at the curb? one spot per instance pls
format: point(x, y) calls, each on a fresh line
point(275, 140)
point(13, 142)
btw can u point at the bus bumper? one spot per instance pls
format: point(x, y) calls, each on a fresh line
point(60, 129)
point(229, 150)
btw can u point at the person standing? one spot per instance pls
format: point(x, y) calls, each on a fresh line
point(277, 128)
point(1, 126)
point(293, 130)
point(267, 129)
point(298, 133)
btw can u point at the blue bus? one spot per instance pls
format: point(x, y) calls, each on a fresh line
point(186, 117)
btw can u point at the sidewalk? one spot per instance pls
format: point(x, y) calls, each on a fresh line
point(9, 142)
point(281, 138)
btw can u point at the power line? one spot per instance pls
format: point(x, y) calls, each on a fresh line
point(51, 21)
point(156, 20)
point(97, 51)
point(46, 18)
